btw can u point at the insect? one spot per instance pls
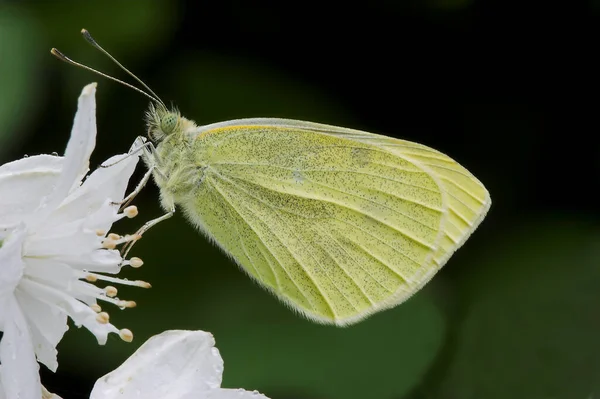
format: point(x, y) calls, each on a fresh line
point(337, 223)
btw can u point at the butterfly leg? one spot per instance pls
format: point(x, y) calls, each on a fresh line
point(145, 228)
point(139, 144)
point(136, 191)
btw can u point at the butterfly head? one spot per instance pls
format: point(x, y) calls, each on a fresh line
point(162, 122)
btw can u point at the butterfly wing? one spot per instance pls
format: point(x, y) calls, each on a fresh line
point(337, 223)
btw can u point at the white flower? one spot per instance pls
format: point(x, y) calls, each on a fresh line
point(52, 245)
point(176, 364)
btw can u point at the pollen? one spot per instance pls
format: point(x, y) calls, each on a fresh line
point(102, 318)
point(96, 308)
point(108, 294)
point(131, 211)
point(113, 236)
point(135, 262)
point(110, 291)
point(127, 304)
point(109, 244)
point(126, 335)
point(142, 284)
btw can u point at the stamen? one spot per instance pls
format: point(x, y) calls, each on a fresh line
point(109, 244)
point(121, 304)
point(127, 238)
point(102, 318)
point(134, 262)
point(126, 335)
point(131, 211)
point(135, 283)
point(127, 304)
point(110, 291)
point(96, 308)
point(113, 236)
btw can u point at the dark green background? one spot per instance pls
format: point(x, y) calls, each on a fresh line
point(507, 88)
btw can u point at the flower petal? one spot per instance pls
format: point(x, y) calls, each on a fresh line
point(99, 260)
point(104, 183)
point(68, 238)
point(19, 372)
point(80, 313)
point(170, 365)
point(232, 394)
point(24, 183)
point(11, 264)
point(80, 147)
point(47, 325)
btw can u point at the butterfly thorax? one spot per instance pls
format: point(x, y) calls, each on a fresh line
point(175, 169)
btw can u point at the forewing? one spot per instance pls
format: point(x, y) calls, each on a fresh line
point(468, 201)
point(337, 227)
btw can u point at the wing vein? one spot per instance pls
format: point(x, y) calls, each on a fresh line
point(306, 272)
point(291, 230)
point(358, 264)
point(334, 203)
point(258, 235)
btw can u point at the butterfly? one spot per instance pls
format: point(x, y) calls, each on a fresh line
point(337, 223)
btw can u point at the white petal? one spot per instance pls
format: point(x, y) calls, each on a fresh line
point(167, 366)
point(47, 325)
point(232, 394)
point(11, 264)
point(112, 181)
point(50, 272)
point(104, 183)
point(69, 238)
point(80, 147)
point(24, 183)
point(80, 313)
point(99, 260)
point(19, 372)
point(48, 395)
point(39, 163)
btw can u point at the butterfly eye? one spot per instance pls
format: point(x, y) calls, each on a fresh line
point(168, 123)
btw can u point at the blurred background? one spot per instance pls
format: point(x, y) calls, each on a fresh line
point(507, 88)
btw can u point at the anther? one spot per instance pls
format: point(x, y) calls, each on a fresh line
point(131, 211)
point(100, 232)
point(126, 335)
point(102, 318)
point(127, 304)
point(113, 236)
point(135, 262)
point(96, 308)
point(109, 244)
point(110, 291)
point(142, 284)
point(91, 278)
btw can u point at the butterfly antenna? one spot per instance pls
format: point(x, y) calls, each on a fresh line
point(88, 37)
point(66, 59)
